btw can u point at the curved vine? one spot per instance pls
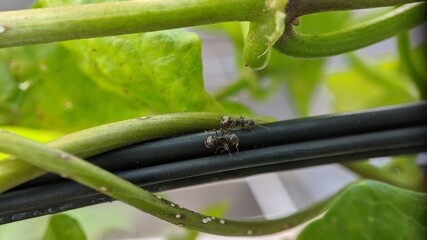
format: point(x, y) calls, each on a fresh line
point(298, 8)
point(328, 44)
point(69, 166)
point(43, 25)
point(92, 141)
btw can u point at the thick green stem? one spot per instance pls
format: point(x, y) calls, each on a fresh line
point(328, 44)
point(66, 165)
point(107, 137)
point(103, 19)
point(298, 8)
point(407, 61)
point(45, 25)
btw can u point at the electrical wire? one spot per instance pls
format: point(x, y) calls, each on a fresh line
point(191, 146)
point(52, 198)
point(184, 161)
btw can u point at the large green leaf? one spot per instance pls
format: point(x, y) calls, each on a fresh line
point(62, 227)
point(161, 70)
point(45, 89)
point(95, 81)
point(372, 210)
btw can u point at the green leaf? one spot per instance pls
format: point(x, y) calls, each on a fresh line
point(370, 85)
point(33, 134)
point(47, 90)
point(160, 70)
point(372, 210)
point(62, 227)
point(52, 3)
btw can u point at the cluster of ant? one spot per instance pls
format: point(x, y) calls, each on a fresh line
point(225, 139)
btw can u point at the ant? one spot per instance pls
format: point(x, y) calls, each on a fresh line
point(226, 141)
point(228, 122)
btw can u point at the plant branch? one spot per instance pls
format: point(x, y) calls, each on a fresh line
point(53, 24)
point(66, 165)
point(298, 8)
point(328, 44)
point(92, 141)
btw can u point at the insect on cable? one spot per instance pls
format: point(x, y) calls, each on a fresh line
point(283, 132)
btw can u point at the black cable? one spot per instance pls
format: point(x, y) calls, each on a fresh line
point(14, 205)
point(90, 197)
point(283, 132)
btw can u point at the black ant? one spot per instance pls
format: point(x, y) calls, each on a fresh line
point(224, 142)
point(228, 122)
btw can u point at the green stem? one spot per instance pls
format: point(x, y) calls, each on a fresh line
point(103, 19)
point(64, 164)
point(407, 61)
point(45, 25)
point(107, 137)
point(298, 8)
point(328, 44)
point(244, 81)
point(366, 170)
point(248, 80)
point(231, 90)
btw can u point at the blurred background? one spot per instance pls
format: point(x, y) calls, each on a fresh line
point(288, 88)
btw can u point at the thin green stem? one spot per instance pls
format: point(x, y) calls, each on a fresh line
point(103, 19)
point(407, 61)
point(366, 170)
point(66, 165)
point(328, 44)
point(298, 8)
point(107, 137)
point(231, 90)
